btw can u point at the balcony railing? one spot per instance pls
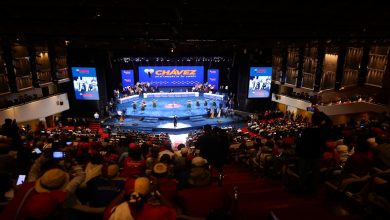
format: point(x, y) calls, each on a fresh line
point(308, 80)
point(44, 77)
point(350, 78)
point(62, 74)
point(328, 80)
point(23, 82)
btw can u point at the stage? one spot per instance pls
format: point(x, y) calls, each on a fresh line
point(160, 108)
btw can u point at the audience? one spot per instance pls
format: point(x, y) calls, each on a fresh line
point(137, 175)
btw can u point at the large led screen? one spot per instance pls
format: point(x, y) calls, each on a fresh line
point(127, 78)
point(85, 83)
point(171, 75)
point(259, 82)
point(213, 77)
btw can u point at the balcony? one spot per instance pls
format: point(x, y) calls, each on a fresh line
point(23, 82)
point(352, 108)
point(62, 75)
point(44, 77)
point(36, 109)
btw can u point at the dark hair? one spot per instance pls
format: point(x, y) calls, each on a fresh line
point(135, 154)
point(165, 158)
point(180, 146)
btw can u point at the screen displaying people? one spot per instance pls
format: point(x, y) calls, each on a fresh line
point(85, 83)
point(259, 82)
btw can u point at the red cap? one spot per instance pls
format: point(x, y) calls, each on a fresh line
point(133, 146)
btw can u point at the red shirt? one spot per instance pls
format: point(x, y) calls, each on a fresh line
point(133, 168)
point(36, 205)
point(167, 188)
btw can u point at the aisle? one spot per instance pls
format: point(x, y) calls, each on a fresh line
point(258, 196)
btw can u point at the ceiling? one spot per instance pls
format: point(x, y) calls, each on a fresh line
point(193, 24)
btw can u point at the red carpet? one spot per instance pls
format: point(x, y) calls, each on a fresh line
point(258, 196)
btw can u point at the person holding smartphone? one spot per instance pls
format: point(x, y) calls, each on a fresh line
point(45, 192)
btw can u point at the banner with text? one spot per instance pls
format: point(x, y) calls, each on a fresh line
point(127, 78)
point(171, 75)
point(213, 77)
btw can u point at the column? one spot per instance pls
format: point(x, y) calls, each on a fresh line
point(340, 67)
point(319, 70)
point(7, 53)
point(52, 59)
point(363, 66)
point(300, 66)
point(33, 64)
point(284, 65)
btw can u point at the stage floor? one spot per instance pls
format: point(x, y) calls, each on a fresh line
point(160, 118)
point(167, 107)
point(166, 125)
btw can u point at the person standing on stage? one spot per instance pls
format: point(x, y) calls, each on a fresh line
point(175, 121)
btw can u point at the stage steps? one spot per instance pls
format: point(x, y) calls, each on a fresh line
point(150, 120)
point(197, 118)
point(144, 129)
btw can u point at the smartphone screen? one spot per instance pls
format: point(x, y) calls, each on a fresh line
point(58, 154)
point(37, 151)
point(21, 179)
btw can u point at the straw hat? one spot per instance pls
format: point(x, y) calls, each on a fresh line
point(142, 186)
point(53, 179)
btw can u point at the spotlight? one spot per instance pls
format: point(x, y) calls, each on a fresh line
point(172, 50)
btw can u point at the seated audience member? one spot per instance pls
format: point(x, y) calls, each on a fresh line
point(45, 196)
point(343, 152)
point(202, 198)
point(165, 185)
point(93, 169)
point(103, 189)
point(358, 165)
point(152, 159)
point(382, 152)
point(5, 189)
point(133, 165)
point(143, 204)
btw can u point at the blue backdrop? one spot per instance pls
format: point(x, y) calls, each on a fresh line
point(171, 75)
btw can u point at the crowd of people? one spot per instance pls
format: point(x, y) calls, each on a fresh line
point(72, 172)
point(204, 88)
point(138, 89)
point(353, 159)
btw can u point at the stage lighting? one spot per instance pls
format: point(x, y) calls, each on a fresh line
point(119, 112)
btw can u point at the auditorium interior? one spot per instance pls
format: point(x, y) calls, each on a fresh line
point(194, 110)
